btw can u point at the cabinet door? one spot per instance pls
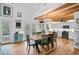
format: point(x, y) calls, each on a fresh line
point(20, 37)
point(16, 37)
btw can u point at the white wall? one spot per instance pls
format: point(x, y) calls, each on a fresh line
point(25, 20)
point(76, 15)
point(27, 17)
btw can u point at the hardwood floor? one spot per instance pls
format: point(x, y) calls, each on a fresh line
point(64, 47)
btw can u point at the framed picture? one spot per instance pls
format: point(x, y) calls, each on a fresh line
point(7, 10)
point(19, 14)
point(77, 20)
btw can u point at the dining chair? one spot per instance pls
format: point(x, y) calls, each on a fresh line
point(55, 38)
point(52, 38)
point(0, 46)
point(30, 42)
point(44, 42)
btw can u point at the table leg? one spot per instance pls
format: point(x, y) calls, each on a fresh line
point(52, 44)
point(37, 48)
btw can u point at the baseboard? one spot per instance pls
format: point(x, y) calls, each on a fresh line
point(6, 43)
point(11, 42)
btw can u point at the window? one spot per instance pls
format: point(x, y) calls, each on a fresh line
point(6, 10)
point(66, 26)
point(18, 24)
point(19, 14)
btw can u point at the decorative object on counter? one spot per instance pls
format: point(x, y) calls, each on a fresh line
point(6, 10)
point(19, 14)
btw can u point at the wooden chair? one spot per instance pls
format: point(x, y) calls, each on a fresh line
point(44, 42)
point(52, 38)
point(0, 46)
point(30, 42)
point(55, 38)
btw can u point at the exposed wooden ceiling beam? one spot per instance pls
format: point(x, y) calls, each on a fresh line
point(62, 12)
point(61, 8)
point(64, 9)
point(59, 18)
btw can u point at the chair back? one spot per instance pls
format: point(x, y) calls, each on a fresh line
point(54, 37)
point(28, 38)
point(44, 41)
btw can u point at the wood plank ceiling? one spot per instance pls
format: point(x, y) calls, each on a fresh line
point(62, 13)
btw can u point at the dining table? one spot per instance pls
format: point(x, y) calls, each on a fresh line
point(37, 39)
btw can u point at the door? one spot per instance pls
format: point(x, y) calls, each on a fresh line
point(5, 32)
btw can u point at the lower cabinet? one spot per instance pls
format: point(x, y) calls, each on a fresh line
point(18, 37)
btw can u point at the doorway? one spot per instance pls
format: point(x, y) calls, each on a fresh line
point(5, 32)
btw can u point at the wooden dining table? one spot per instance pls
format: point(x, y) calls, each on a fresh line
point(37, 39)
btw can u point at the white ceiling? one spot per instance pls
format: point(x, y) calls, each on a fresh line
point(32, 8)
